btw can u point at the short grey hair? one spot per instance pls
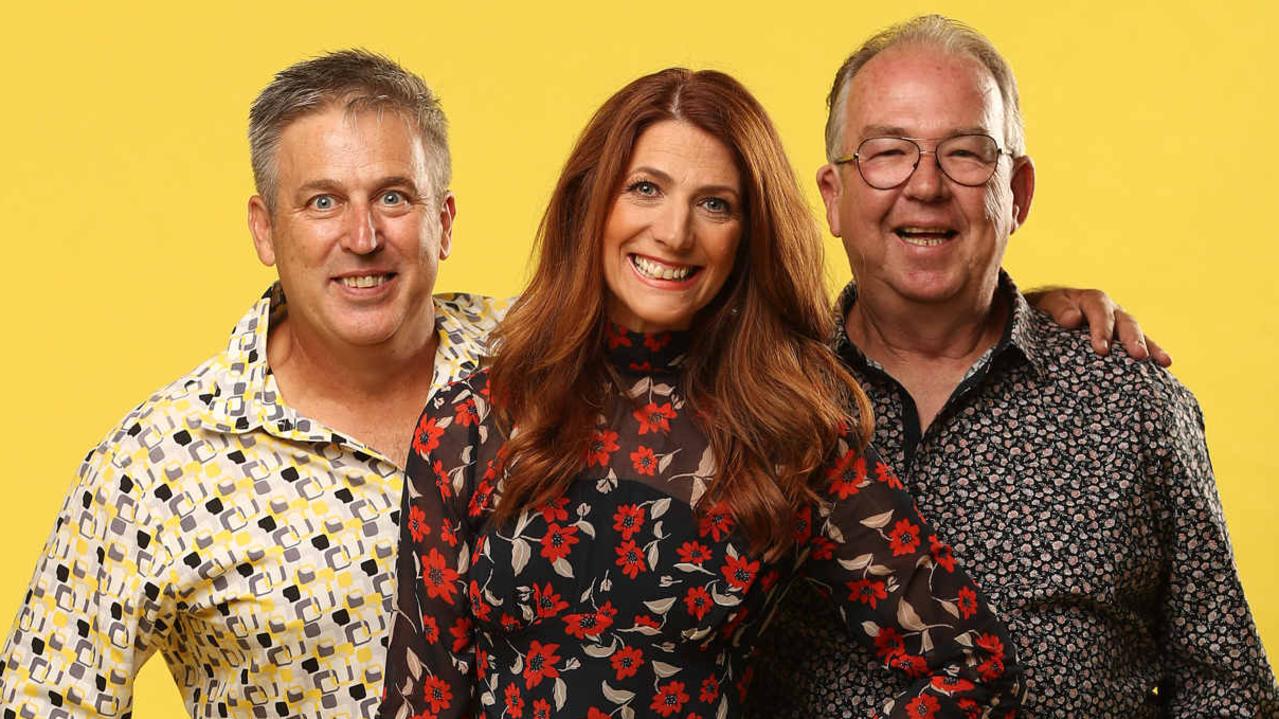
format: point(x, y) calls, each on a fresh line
point(945, 34)
point(359, 80)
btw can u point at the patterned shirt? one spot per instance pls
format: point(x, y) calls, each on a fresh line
point(620, 599)
point(1078, 491)
point(251, 546)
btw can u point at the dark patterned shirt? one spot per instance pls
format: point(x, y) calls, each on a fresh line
point(619, 599)
point(1077, 490)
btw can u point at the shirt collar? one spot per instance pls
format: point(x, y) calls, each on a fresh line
point(1023, 335)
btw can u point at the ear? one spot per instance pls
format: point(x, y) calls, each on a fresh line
point(1023, 187)
point(831, 187)
point(260, 228)
point(448, 213)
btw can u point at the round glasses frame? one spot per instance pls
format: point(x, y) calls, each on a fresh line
point(855, 159)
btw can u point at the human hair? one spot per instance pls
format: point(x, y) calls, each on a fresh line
point(359, 80)
point(947, 35)
point(769, 393)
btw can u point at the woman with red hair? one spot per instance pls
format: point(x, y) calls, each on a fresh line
point(599, 522)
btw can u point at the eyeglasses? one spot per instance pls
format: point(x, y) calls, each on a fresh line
point(887, 162)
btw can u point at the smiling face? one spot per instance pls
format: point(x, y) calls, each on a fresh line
point(930, 239)
point(672, 235)
point(357, 231)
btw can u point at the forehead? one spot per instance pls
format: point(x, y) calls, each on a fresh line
point(340, 145)
point(685, 152)
point(925, 92)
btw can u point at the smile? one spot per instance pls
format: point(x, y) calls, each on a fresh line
point(365, 281)
point(924, 236)
point(655, 270)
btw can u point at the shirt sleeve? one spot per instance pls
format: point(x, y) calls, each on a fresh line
point(97, 607)
point(1215, 665)
point(431, 661)
point(901, 592)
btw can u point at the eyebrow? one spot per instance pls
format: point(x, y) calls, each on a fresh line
point(330, 185)
point(647, 170)
point(895, 131)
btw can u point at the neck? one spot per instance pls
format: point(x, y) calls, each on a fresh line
point(893, 330)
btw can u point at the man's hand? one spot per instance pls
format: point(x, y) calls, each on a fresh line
point(1070, 307)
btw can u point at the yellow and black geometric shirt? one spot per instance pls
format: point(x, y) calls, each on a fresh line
point(251, 546)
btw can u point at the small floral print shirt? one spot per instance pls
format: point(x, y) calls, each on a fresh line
point(627, 597)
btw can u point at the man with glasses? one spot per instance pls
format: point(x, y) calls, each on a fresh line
point(1075, 487)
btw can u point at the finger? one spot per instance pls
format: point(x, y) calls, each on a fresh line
point(1161, 357)
point(1128, 331)
point(1100, 314)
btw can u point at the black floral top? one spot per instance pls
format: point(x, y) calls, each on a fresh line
point(628, 597)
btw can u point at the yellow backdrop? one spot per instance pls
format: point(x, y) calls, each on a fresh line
point(125, 175)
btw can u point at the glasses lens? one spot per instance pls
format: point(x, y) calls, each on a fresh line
point(968, 159)
point(886, 162)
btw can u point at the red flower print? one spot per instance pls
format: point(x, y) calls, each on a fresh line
point(693, 553)
point(481, 663)
point(698, 601)
point(904, 538)
point(555, 511)
point(514, 702)
point(461, 631)
point(465, 413)
point(647, 620)
point(867, 591)
point(923, 707)
point(912, 665)
point(437, 694)
point(951, 685)
point(479, 608)
point(644, 461)
point(628, 519)
point(644, 366)
point(483, 494)
point(558, 541)
point(669, 699)
point(718, 522)
point(653, 418)
point(889, 643)
point(509, 623)
point(973, 711)
point(823, 548)
point(540, 663)
point(993, 667)
point(631, 559)
point(594, 713)
point(442, 480)
point(426, 436)
point(616, 336)
point(848, 474)
point(885, 474)
point(710, 690)
point(603, 443)
point(547, 602)
point(804, 525)
point(770, 579)
point(943, 555)
point(438, 577)
point(626, 661)
point(657, 341)
point(541, 709)
point(591, 624)
point(739, 572)
point(430, 630)
point(417, 523)
point(967, 602)
point(745, 682)
point(446, 534)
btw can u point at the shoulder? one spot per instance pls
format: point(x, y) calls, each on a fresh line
point(475, 315)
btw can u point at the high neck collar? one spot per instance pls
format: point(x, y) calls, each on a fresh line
point(645, 353)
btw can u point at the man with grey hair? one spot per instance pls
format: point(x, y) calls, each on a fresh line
point(1075, 487)
point(243, 519)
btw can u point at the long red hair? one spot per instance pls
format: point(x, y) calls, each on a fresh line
point(759, 363)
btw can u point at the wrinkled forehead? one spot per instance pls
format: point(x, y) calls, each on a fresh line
point(343, 140)
point(924, 92)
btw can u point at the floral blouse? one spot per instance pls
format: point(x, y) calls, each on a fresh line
point(628, 598)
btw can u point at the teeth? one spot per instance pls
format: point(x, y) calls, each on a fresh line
point(658, 271)
point(924, 236)
point(922, 241)
point(364, 280)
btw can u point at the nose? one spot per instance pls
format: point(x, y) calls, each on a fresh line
point(671, 226)
point(927, 183)
point(362, 235)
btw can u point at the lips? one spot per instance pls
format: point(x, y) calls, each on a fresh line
point(654, 269)
point(925, 235)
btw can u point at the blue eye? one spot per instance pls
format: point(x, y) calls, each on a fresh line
point(392, 197)
point(717, 205)
point(323, 202)
point(643, 188)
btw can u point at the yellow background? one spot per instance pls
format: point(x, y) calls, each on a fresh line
point(125, 175)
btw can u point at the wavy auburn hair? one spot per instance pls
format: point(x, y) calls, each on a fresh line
point(758, 370)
